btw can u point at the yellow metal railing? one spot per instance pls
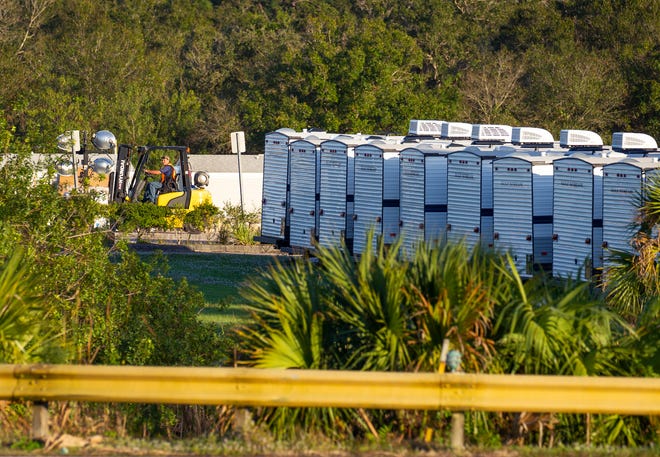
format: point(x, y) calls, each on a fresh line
point(349, 389)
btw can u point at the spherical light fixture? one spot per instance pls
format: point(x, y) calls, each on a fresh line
point(102, 165)
point(64, 168)
point(104, 140)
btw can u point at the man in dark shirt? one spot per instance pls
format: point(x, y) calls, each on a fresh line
point(166, 172)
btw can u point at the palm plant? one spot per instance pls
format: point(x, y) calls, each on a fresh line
point(289, 329)
point(634, 278)
point(333, 313)
point(563, 327)
point(632, 284)
point(648, 345)
point(556, 327)
point(370, 306)
point(25, 336)
point(287, 311)
point(454, 290)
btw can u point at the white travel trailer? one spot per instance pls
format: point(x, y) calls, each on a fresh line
point(623, 185)
point(376, 192)
point(522, 208)
point(578, 214)
point(423, 194)
point(276, 181)
point(304, 192)
point(337, 191)
point(470, 194)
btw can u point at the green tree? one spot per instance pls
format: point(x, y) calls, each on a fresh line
point(492, 89)
point(573, 89)
point(192, 72)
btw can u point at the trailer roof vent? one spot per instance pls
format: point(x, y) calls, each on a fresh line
point(425, 127)
point(485, 133)
point(531, 136)
point(626, 141)
point(457, 130)
point(580, 139)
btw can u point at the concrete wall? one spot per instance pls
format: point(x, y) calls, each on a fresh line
point(224, 179)
point(225, 188)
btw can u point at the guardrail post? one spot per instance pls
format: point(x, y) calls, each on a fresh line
point(457, 434)
point(243, 423)
point(428, 435)
point(40, 431)
point(457, 437)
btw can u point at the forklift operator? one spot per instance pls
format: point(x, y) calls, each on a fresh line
point(166, 172)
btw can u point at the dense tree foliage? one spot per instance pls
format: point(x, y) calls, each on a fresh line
point(93, 300)
point(71, 294)
point(175, 72)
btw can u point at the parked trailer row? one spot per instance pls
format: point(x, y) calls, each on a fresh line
point(557, 206)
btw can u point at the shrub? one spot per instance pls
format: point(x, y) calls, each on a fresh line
point(203, 218)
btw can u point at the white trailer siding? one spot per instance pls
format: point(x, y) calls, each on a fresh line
point(423, 209)
point(337, 192)
point(376, 193)
point(275, 193)
point(470, 196)
point(276, 184)
point(623, 183)
point(304, 192)
point(542, 181)
point(522, 210)
point(578, 215)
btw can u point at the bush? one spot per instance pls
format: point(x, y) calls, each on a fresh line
point(106, 304)
point(141, 217)
point(238, 226)
point(203, 218)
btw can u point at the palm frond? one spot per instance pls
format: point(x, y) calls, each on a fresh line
point(24, 334)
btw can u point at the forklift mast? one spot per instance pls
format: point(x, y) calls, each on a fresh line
point(119, 178)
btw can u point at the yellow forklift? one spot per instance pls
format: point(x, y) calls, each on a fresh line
point(189, 192)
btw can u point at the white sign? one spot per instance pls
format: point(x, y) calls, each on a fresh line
point(237, 142)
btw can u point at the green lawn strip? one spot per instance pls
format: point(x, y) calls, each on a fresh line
point(219, 277)
point(224, 314)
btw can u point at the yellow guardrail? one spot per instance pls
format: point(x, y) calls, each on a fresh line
point(314, 388)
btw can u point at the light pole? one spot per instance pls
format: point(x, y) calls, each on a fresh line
point(70, 141)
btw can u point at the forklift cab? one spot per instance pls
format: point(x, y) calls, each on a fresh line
point(183, 195)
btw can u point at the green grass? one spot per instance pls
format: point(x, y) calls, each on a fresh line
point(219, 277)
